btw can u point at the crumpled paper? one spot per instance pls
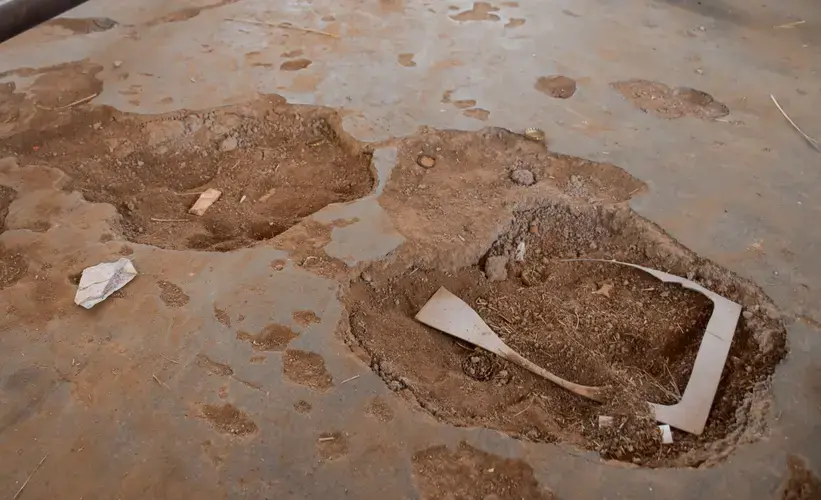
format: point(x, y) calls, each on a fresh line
point(99, 282)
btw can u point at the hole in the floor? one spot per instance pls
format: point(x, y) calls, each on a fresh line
point(74, 278)
point(274, 164)
point(591, 323)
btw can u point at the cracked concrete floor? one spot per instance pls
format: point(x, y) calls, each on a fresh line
point(79, 386)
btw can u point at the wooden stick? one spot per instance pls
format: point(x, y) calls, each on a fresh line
point(284, 25)
point(17, 495)
point(160, 382)
point(809, 139)
point(349, 379)
point(790, 25)
point(79, 101)
point(169, 220)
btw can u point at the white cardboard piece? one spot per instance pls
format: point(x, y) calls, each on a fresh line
point(100, 281)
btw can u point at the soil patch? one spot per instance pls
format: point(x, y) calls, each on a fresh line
point(302, 406)
point(801, 483)
point(12, 268)
point(171, 294)
point(305, 318)
point(6, 197)
point(667, 102)
point(332, 445)
point(222, 316)
point(306, 368)
point(295, 64)
point(591, 323)
point(468, 473)
point(558, 86)
point(273, 337)
point(229, 420)
point(379, 409)
point(481, 11)
point(274, 164)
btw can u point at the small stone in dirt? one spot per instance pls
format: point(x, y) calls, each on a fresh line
point(117, 64)
point(747, 314)
point(605, 290)
point(522, 177)
point(229, 144)
point(605, 421)
point(496, 268)
point(395, 385)
point(366, 277)
point(478, 367)
point(425, 161)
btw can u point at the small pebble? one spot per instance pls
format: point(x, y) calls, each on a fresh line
point(496, 268)
point(522, 177)
point(229, 144)
point(747, 314)
point(117, 64)
point(425, 161)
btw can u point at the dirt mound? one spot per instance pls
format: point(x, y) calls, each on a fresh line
point(592, 323)
point(274, 164)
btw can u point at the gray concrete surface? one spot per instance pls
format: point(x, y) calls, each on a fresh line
point(743, 192)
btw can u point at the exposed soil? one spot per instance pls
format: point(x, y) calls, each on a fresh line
point(295, 64)
point(6, 197)
point(13, 267)
point(406, 60)
point(801, 483)
point(481, 11)
point(302, 406)
point(558, 86)
point(332, 445)
point(213, 367)
point(229, 420)
point(667, 102)
point(306, 368)
point(471, 474)
point(591, 323)
point(305, 318)
point(274, 164)
point(273, 337)
point(171, 294)
point(379, 409)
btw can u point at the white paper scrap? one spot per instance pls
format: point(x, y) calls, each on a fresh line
point(100, 281)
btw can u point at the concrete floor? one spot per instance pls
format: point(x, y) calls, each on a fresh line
point(743, 192)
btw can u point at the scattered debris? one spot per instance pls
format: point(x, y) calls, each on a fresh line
point(809, 139)
point(520, 251)
point(604, 290)
point(605, 421)
point(229, 144)
point(284, 25)
point(534, 134)
point(349, 379)
point(98, 282)
point(522, 177)
point(205, 200)
point(691, 411)
point(450, 314)
point(496, 268)
point(26, 482)
point(790, 25)
point(425, 161)
point(666, 434)
point(478, 366)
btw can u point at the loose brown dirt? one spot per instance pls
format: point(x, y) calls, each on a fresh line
point(229, 420)
point(273, 337)
point(306, 368)
point(667, 102)
point(83, 25)
point(332, 445)
point(592, 323)
point(468, 474)
point(13, 267)
point(274, 164)
point(800, 483)
point(6, 197)
point(171, 294)
point(558, 86)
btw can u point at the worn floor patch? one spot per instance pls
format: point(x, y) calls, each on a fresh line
point(229, 419)
point(667, 102)
point(468, 473)
point(306, 368)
